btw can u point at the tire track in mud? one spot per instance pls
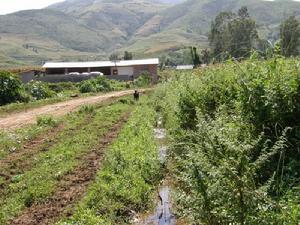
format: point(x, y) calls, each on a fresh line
point(72, 186)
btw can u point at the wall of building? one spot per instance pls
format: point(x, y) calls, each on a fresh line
point(146, 68)
point(55, 78)
point(124, 73)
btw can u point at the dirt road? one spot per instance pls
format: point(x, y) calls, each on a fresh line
point(20, 119)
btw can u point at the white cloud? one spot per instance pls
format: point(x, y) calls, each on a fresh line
point(9, 6)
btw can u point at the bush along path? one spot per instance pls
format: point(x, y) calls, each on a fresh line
point(235, 141)
point(63, 171)
point(128, 178)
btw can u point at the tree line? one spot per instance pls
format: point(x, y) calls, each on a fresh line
point(236, 35)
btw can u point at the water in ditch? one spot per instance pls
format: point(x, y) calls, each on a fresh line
point(163, 213)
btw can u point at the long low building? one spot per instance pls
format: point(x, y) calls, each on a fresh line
point(122, 70)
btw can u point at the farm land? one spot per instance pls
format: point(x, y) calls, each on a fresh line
point(232, 137)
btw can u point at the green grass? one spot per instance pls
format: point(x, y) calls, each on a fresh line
point(11, 141)
point(129, 175)
point(39, 182)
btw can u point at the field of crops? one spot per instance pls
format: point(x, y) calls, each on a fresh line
point(99, 165)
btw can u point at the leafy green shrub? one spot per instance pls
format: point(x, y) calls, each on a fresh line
point(235, 129)
point(99, 84)
point(55, 87)
point(39, 90)
point(144, 79)
point(10, 88)
point(103, 84)
point(87, 87)
point(25, 96)
point(46, 121)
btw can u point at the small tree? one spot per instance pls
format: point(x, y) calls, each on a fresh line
point(205, 55)
point(114, 57)
point(232, 34)
point(195, 57)
point(128, 55)
point(290, 37)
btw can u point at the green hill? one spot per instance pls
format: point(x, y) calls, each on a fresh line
point(92, 29)
point(189, 23)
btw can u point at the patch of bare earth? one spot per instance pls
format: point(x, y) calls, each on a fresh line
point(72, 186)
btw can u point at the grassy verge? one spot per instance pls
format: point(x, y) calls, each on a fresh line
point(50, 166)
point(130, 173)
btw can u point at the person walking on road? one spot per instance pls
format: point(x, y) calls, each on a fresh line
point(136, 95)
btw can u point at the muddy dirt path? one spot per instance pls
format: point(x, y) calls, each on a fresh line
point(72, 186)
point(17, 120)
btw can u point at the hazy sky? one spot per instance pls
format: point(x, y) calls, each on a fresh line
point(9, 6)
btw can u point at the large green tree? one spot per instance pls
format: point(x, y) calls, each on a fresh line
point(233, 34)
point(290, 37)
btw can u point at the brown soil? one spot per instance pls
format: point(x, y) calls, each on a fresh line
point(22, 160)
point(17, 120)
point(72, 186)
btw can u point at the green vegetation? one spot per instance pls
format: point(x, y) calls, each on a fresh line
point(101, 84)
point(290, 37)
point(12, 141)
point(10, 88)
point(128, 177)
point(144, 80)
point(46, 121)
point(39, 90)
point(82, 132)
point(37, 93)
point(232, 35)
point(235, 132)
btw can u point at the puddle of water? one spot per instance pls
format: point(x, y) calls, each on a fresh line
point(159, 133)
point(163, 153)
point(163, 214)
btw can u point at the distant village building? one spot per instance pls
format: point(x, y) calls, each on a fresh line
point(120, 70)
point(184, 67)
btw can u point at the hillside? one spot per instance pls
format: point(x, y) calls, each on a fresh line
point(189, 22)
point(92, 29)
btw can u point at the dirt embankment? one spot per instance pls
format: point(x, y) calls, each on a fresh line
point(17, 120)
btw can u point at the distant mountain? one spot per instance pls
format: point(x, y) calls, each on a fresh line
point(92, 29)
